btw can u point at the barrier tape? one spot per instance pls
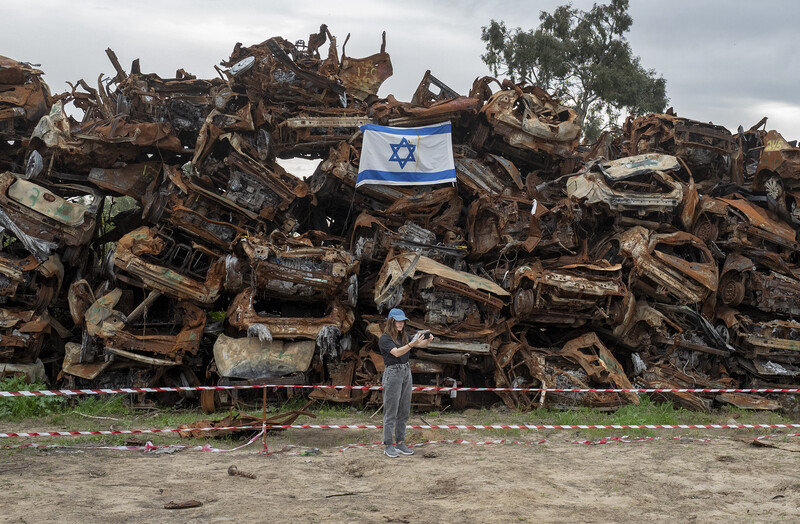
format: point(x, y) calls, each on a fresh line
point(457, 441)
point(411, 426)
point(122, 431)
point(429, 389)
point(636, 440)
point(536, 426)
point(148, 447)
point(625, 439)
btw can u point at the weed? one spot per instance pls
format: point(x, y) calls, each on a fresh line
point(16, 408)
point(294, 403)
point(102, 405)
point(329, 411)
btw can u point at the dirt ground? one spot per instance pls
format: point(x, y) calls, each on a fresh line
point(558, 481)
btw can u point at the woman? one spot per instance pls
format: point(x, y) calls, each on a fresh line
point(395, 347)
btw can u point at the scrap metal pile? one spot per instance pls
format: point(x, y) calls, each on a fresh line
point(664, 258)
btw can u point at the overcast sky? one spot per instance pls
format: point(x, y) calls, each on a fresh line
point(729, 62)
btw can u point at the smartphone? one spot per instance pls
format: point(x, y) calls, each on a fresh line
point(425, 333)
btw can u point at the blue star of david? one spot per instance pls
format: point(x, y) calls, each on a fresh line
point(396, 149)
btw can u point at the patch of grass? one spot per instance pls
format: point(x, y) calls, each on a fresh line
point(102, 405)
point(331, 410)
point(295, 403)
point(17, 408)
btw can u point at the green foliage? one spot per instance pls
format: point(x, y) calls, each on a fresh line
point(332, 411)
point(102, 405)
point(217, 316)
point(114, 206)
point(16, 408)
point(583, 58)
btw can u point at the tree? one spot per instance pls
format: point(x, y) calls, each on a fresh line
point(583, 58)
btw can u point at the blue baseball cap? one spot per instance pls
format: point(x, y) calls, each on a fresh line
point(397, 314)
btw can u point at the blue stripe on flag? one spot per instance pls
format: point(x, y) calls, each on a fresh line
point(413, 178)
point(408, 131)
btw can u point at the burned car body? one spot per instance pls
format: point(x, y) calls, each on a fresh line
point(451, 300)
point(491, 174)
point(529, 119)
point(267, 320)
point(761, 280)
point(44, 221)
point(764, 343)
point(293, 269)
point(22, 334)
point(170, 331)
point(243, 313)
point(777, 173)
point(583, 362)
point(152, 258)
point(373, 240)
point(25, 281)
point(707, 149)
point(670, 267)
point(735, 223)
point(24, 99)
point(638, 188)
point(497, 225)
point(60, 148)
point(571, 294)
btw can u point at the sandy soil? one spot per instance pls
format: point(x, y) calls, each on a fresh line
point(559, 481)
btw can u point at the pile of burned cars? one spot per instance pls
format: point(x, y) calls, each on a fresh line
point(153, 233)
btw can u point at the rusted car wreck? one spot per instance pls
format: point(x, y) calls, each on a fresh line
point(161, 239)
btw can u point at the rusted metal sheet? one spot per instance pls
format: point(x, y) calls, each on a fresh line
point(363, 76)
point(745, 401)
point(249, 357)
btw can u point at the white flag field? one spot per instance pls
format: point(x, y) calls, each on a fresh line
point(402, 156)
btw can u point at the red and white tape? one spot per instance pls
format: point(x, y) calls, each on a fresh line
point(456, 441)
point(410, 426)
point(537, 426)
point(636, 440)
point(428, 389)
point(148, 447)
point(122, 431)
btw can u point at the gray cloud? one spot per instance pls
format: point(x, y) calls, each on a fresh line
point(726, 62)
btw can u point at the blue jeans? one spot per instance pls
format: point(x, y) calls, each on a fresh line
point(396, 402)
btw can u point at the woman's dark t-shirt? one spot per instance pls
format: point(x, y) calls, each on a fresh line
point(386, 345)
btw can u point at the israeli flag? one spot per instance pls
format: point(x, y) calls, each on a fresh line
point(406, 156)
